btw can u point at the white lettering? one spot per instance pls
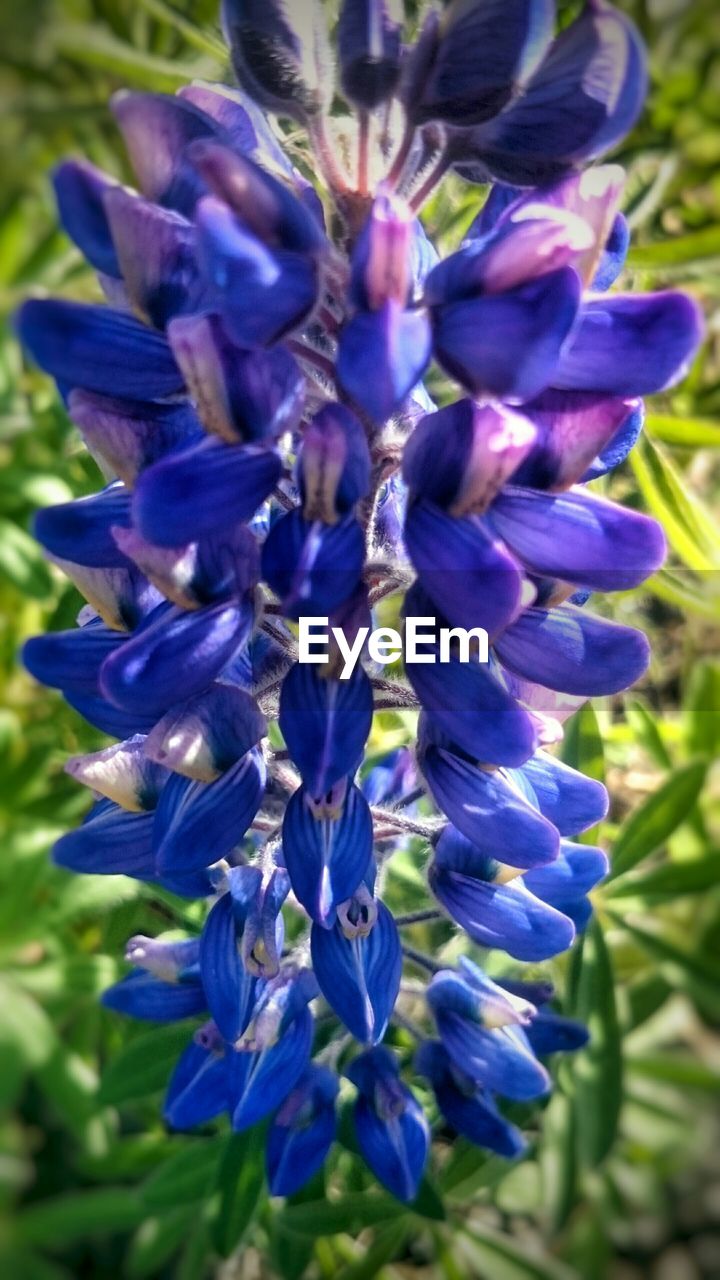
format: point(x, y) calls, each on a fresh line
point(307, 642)
point(414, 636)
point(464, 638)
point(385, 645)
point(350, 652)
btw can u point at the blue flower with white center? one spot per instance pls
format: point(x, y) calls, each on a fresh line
point(252, 392)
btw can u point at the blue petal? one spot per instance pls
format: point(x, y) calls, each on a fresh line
point(565, 797)
point(302, 1132)
point(550, 1033)
point(71, 660)
point(261, 1081)
point(467, 702)
point(203, 490)
point(129, 435)
point(584, 97)
point(484, 54)
point(631, 346)
point(174, 654)
point(98, 349)
point(471, 1112)
point(261, 295)
point(111, 841)
point(576, 870)
point(198, 1089)
point(507, 917)
point(243, 396)
point(579, 538)
point(573, 427)
point(139, 995)
point(613, 256)
point(325, 724)
point(312, 567)
point(619, 447)
point(198, 823)
point(468, 574)
point(109, 719)
point(500, 1060)
point(360, 977)
point(79, 189)
point(489, 812)
point(369, 49)
point(229, 989)
point(390, 1125)
point(574, 652)
point(158, 128)
point(157, 255)
point(326, 858)
point(381, 356)
point(80, 531)
point(508, 344)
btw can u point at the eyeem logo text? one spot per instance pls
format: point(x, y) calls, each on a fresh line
point(422, 642)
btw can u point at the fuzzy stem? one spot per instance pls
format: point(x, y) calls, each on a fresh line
point(364, 154)
point(421, 960)
point(396, 171)
point(436, 174)
point(388, 818)
point(418, 917)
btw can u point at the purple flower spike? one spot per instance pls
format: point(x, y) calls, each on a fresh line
point(274, 471)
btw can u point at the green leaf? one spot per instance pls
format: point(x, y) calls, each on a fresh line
point(691, 530)
point(428, 1202)
point(679, 251)
point(498, 1257)
point(64, 1219)
point(582, 746)
point(350, 1214)
point(558, 1159)
point(673, 1069)
point(650, 826)
point(646, 730)
point(241, 1182)
point(669, 881)
point(702, 710)
point(388, 1242)
point(144, 1066)
point(694, 972)
point(597, 1070)
point(692, 593)
point(187, 1176)
point(22, 563)
point(96, 46)
point(154, 1244)
point(687, 432)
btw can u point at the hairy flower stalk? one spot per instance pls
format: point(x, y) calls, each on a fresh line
point(253, 394)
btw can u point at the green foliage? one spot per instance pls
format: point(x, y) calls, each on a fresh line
point(624, 1155)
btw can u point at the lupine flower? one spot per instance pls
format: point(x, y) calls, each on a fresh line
point(252, 392)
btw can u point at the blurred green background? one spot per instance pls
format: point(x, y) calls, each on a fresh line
point(623, 1177)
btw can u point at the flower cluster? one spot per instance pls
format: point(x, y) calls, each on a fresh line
point(252, 393)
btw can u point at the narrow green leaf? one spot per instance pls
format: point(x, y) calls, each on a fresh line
point(193, 35)
point(388, 1242)
point(351, 1214)
point(498, 1257)
point(669, 881)
point(693, 593)
point(144, 1065)
point(558, 1159)
point(679, 251)
point(189, 1175)
point(96, 46)
point(582, 746)
point(688, 433)
point(691, 530)
point(64, 1219)
point(696, 972)
point(22, 563)
point(673, 1069)
point(241, 1182)
point(702, 710)
point(649, 826)
point(154, 1244)
point(597, 1070)
point(645, 728)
